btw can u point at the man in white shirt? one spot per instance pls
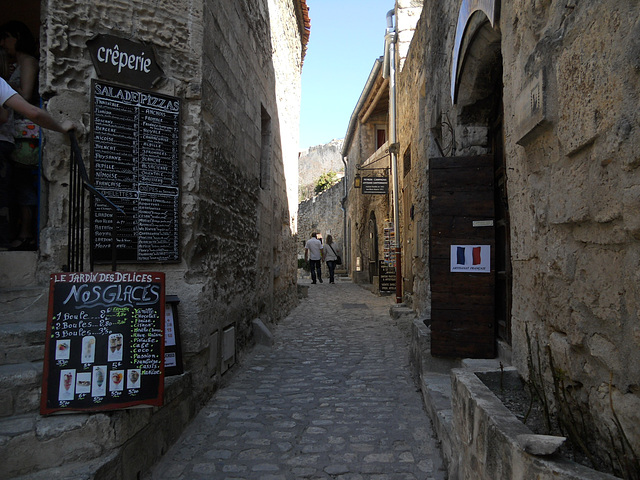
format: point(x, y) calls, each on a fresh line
point(9, 98)
point(313, 252)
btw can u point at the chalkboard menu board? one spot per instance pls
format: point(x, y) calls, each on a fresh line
point(104, 348)
point(136, 147)
point(387, 278)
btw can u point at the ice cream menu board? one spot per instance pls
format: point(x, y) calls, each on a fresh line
point(136, 145)
point(104, 348)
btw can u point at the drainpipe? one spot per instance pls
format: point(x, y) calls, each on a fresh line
point(390, 72)
point(345, 249)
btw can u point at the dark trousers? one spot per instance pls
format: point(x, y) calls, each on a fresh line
point(315, 266)
point(5, 194)
point(331, 265)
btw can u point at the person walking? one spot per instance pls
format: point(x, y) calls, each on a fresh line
point(314, 253)
point(331, 257)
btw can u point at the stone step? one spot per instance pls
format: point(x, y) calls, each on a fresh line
point(98, 469)
point(17, 269)
point(27, 304)
point(22, 342)
point(56, 446)
point(20, 388)
point(96, 445)
point(436, 395)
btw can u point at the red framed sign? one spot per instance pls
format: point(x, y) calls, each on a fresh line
point(104, 348)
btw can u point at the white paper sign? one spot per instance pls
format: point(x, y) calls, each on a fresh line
point(471, 258)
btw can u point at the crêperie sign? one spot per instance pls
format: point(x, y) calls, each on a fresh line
point(104, 348)
point(124, 61)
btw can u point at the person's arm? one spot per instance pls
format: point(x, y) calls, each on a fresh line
point(4, 115)
point(28, 75)
point(37, 115)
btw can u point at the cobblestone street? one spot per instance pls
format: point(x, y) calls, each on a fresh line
point(333, 398)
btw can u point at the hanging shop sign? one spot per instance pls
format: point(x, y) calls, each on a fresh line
point(136, 164)
point(122, 60)
point(471, 258)
point(104, 348)
point(375, 185)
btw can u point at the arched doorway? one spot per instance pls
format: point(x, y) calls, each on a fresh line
point(471, 303)
point(479, 98)
point(372, 232)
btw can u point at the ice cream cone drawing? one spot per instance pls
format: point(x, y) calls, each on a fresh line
point(63, 349)
point(67, 384)
point(98, 384)
point(67, 381)
point(116, 380)
point(88, 349)
point(134, 378)
point(115, 347)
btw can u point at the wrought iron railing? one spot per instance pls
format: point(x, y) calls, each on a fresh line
point(78, 183)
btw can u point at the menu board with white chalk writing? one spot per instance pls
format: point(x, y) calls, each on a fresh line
point(104, 348)
point(136, 151)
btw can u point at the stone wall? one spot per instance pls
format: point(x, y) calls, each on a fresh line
point(415, 143)
point(322, 214)
point(574, 183)
point(236, 226)
point(236, 67)
point(570, 79)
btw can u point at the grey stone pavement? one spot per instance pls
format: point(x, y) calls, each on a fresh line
point(332, 399)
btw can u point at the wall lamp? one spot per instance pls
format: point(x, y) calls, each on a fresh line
point(357, 181)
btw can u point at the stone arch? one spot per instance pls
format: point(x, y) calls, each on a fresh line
point(479, 75)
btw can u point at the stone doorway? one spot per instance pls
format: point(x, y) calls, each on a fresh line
point(478, 98)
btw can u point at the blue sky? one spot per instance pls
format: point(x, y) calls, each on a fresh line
point(346, 38)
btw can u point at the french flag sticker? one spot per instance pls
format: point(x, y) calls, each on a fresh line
point(471, 258)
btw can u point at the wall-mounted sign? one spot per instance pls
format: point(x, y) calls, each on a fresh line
point(124, 61)
point(387, 277)
point(136, 164)
point(104, 348)
point(172, 344)
point(471, 258)
point(375, 185)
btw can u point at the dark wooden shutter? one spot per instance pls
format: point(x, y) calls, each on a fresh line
point(462, 304)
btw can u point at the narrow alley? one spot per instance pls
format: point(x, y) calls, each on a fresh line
point(333, 398)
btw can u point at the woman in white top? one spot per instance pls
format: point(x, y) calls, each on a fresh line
point(9, 98)
point(331, 252)
point(10, 101)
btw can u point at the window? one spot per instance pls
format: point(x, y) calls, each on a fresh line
point(381, 136)
point(265, 149)
point(406, 164)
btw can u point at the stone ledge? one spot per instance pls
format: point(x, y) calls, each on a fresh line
point(493, 443)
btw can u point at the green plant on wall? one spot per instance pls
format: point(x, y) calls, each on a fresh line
point(326, 181)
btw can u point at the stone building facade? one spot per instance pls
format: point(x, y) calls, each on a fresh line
point(236, 68)
point(540, 96)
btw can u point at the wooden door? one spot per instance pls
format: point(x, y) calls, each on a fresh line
point(461, 209)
